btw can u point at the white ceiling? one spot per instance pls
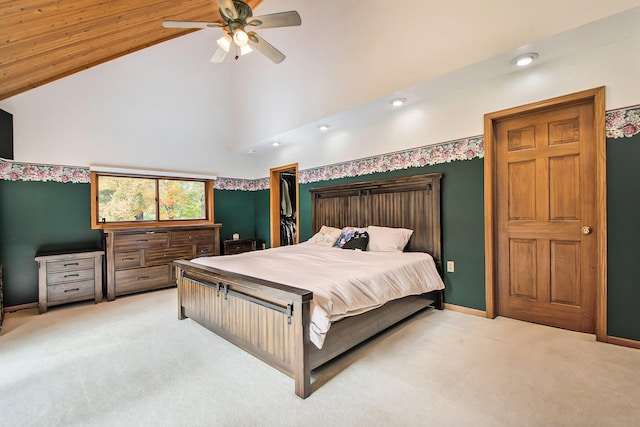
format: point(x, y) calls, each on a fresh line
point(346, 62)
point(156, 107)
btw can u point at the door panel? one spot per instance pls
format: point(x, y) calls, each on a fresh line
point(545, 192)
point(522, 185)
point(564, 177)
point(522, 268)
point(565, 272)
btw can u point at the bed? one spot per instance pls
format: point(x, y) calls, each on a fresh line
point(274, 320)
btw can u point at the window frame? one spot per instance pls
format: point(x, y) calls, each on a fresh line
point(96, 224)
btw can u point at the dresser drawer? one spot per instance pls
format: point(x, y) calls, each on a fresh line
point(149, 239)
point(127, 259)
point(166, 255)
point(205, 250)
point(191, 237)
point(69, 276)
point(69, 265)
point(141, 279)
point(70, 292)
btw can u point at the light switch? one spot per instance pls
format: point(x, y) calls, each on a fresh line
point(450, 267)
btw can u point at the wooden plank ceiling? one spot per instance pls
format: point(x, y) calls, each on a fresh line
point(44, 40)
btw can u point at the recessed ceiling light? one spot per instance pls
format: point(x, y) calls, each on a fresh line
point(323, 128)
point(398, 102)
point(526, 59)
point(251, 151)
point(275, 143)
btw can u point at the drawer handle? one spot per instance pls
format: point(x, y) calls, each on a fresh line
point(142, 241)
point(71, 263)
point(128, 259)
point(71, 275)
point(150, 232)
point(143, 277)
point(71, 290)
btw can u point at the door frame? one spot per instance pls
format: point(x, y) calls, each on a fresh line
point(597, 96)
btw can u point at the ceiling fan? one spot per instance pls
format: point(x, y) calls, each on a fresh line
point(237, 15)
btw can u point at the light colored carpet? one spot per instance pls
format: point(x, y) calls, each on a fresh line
point(131, 362)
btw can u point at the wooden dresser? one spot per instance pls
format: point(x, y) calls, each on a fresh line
point(141, 259)
point(66, 276)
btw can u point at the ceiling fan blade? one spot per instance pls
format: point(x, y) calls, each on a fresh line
point(258, 43)
point(281, 19)
point(228, 9)
point(190, 24)
point(219, 55)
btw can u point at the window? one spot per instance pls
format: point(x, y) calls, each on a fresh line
point(120, 200)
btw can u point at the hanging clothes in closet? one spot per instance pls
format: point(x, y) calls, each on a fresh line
point(287, 209)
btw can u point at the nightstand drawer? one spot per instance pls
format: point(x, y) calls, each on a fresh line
point(69, 265)
point(70, 292)
point(134, 241)
point(142, 279)
point(127, 259)
point(232, 247)
point(69, 276)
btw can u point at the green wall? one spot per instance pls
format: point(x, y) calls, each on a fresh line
point(235, 210)
point(37, 214)
point(623, 228)
point(263, 217)
point(462, 223)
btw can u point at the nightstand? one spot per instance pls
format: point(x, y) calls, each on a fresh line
point(68, 276)
point(232, 247)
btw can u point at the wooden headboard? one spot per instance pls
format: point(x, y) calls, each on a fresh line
point(411, 202)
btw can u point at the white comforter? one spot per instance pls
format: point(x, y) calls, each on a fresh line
point(343, 282)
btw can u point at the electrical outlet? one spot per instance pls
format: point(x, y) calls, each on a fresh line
point(450, 267)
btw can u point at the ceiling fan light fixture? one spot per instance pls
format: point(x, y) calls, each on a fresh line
point(240, 37)
point(236, 16)
point(225, 42)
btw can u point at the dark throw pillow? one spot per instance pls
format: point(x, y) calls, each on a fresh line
point(358, 241)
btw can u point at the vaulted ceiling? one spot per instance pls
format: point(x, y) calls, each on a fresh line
point(44, 40)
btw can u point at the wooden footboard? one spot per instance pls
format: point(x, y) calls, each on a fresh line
point(268, 320)
point(271, 321)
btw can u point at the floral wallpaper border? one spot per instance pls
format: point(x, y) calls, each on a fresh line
point(15, 171)
point(620, 123)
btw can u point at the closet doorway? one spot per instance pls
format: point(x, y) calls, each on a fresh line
point(284, 205)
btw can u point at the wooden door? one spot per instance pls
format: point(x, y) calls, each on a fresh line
point(545, 214)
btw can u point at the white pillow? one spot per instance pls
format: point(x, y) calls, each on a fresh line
point(327, 236)
point(386, 239)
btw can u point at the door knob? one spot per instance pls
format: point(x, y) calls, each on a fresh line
point(586, 230)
